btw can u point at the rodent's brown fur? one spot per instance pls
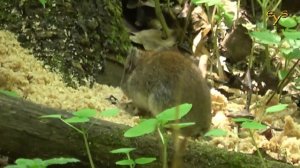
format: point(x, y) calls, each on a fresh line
point(160, 80)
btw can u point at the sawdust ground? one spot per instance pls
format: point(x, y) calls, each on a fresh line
point(24, 74)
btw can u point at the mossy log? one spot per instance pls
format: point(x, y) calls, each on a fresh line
point(24, 134)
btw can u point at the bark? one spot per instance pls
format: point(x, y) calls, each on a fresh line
point(24, 134)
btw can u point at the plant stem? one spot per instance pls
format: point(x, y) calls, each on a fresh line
point(186, 23)
point(165, 152)
point(86, 143)
point(283, 81)
point(70, 125)
point(161, 18)
point(128, 157)
point(259, 154)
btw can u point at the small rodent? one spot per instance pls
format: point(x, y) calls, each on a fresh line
point(160, 80)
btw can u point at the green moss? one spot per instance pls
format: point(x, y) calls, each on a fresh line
point(73, 37)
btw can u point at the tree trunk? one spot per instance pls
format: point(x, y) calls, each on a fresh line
point(24, 134)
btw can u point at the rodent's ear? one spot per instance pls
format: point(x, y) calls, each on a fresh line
point(132, 59)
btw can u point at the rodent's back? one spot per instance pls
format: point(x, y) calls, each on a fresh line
point(164, 79)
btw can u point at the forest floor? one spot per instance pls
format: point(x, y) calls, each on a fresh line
point(21, 72)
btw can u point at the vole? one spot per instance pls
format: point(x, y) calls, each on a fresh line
point(159, 80)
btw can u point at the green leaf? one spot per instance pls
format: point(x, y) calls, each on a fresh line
point(58, 116)
point(294, 54)
point(291, 34)
point(282, 74)
point(216, 133)
point(145, 127)
point(61, 161)
point(32, 163)
point(276, 108)
point(23, 161)
point(266, 37)
point(172, 113)
point(15, 166)
point(297, 19)
point(85, 113)
point(218, 18)
point(228, 19)
point(43, 2)
point(122, 150)
point(253, 125)
point(285, 51)
point(241, 120)
point(288, 22)
point(125, 162)
point(76, 119)
point(144, 160)
point(207, 2)
point(110, 112)
point(9, 93)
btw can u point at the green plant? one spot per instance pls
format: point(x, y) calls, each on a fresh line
point(251, 126)
point(160, 123)
point(160, 16)
point(215, 133)
point(276, 108)
point(218, 15)
point(130, 162)
point(289, 22)
point(266, 6)
point(39, 163)
point(83, 116)
point(9, 93)
point(286, 46)
point(43, 2)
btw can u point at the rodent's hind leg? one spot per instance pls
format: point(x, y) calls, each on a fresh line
point(133, 110)
point(144, 113)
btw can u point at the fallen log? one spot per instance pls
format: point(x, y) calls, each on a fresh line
point(24, 134)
